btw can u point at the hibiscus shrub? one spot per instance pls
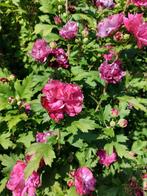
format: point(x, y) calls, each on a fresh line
point(73, 98)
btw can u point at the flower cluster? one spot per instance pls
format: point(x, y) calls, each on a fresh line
point(135, 25)
point(17, 183)
point(41, 51)
point(61, 98)
point(111, 73)
point(109, 25)
point(106, 159)
point(69, 31)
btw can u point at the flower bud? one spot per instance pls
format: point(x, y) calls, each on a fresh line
point(70, 183)
point(118, 36)
point(53, 45)
point(114, 112)
point(112, 123)
point(85, 32)
point(11, 100)
point(57, 20)
point(123, 123)
point(11, 77)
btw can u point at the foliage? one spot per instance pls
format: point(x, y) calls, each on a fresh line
point(76, 139)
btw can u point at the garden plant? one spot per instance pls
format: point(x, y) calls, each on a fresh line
point(73, 98)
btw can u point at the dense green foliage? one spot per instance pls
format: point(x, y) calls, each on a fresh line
point(77, 139)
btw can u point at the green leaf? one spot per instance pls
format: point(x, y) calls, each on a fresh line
point(121, 138)
point(5, 141)
point(72, 192)
point(109, 131)
point(52, 37)
point(91, 21)
point(25, 89)
point(26, 138)
point(138, 103)
point(43, 29)
point(109, 148)
point(13, 120)
point(40, 151)
point(3, 184)
point(138, 146)
point(83, 124)
point(8, 162)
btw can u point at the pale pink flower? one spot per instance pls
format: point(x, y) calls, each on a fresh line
point(106, 159)
point(84, 181)
point(69, 30)
point(109, 25)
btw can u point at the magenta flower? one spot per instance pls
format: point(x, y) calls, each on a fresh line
point(133, 22)
point(84, 181)
point(141, 35)
point(69, 30)
point(140, 3)
point(18, 185)
point(106, 159)
point(104, 3)
point(109, 25)
point(111, 73)
point(61, 58)
point(135, 25)
point(61, 98)
point(43, 137)
point(40, 50)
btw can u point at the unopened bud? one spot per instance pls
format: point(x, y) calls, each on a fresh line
point(118, 36)
point(53, 45)
point(123, 123)
point(112, 123)
point(11, 77)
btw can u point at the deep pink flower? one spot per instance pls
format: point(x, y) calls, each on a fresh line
point(57, 20)
point(104, 3)
point(69, 30)
point(40, 50)
point(42, 137)
point(60, 98)
point(106, 159)
point(18, 185)
point(123, 123)
point(84, 181)
point(140, 3)
point(111, 73)
point(61, 57)
point(141, 35)
point(109, 25)
point(133, 22)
